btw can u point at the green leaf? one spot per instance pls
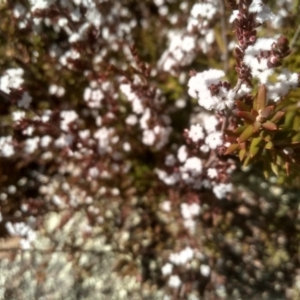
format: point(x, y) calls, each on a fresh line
point(267, 111)
point(247, 116)
point(280, 161)
point(231, 148)
point(242, 106)
point(296, 123)
point(247, 161)
point(242, 154)
point(275, 168)
point(247, 133)
point(265, 135)
point(296, 138)
point(255, 147)
point(261, 98)
point(288, 121)
point(277, 116)
point(256, 126)
point(240, 129)
point(269, 125)
point(267, 166)
point(269, 145)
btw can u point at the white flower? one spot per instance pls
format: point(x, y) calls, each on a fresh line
point(195, 209)
point(204, 10)
point(199, 88)
point(188, 43)
point(148, 137)
point(186, 254)
point(200, 83)
point(145, 119)
point(205, 270)
point(264, 14)
point(19, 10)
point(182, 153)
point(190, 225)
point(23, 230)
point(18, 115)
point(93, 97)
point(12, 79)
point(189, 211)
point(212, 173)
point(68, 116)
point(243, 90)
point(204, 148)
point(286, 81)
point(25, 100)
point(220, 190)
point(167, 269)
point(214, 139)
point(6, 147)
point(93, 16)
point(196, 133)
point(131, 119)
point(258, 65)
point(193, 165)
point(174, 281)
point(233, 16)
point(31, 144)
point(170, 160)
point(210, 122)
point(166, 178)
point(103, 135)
point(166, 206)
point(40, 4)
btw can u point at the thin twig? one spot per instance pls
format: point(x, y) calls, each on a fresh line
point(295, 37)
point(224, 36)
point(227, 114)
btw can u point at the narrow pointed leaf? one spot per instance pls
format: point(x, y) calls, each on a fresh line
point(231, 148)
point(255, 146)
point(247, 161)
point(265, 135)
point(280, 161)
point(296, 123)
point(275, 168)
point(267, 166)
point(254, 113)
point(247, 116)
point(296, 138)
point(267, 111)
point(240, 129)
point(261, 98)
point(242, 106)
point(277, 116)
point(266, 173)
point(269, 125)
point(247, 133)
point(289, 117)
point(291, 107)
point(256, 126)
point(269, 145)
point(242, 154)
